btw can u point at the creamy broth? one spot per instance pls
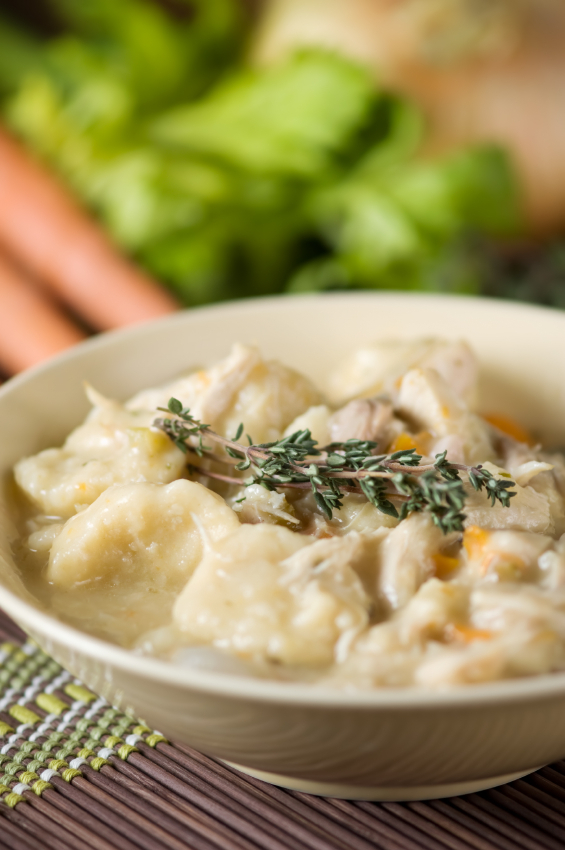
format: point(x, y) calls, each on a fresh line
point(179, 556)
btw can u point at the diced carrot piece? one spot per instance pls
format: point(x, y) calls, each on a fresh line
point(510, 427)
point(474, 541)
point(406, 441)
point(53, 238)
point(467, 634)
point(403, 442)
point(445, 565)
point(32, 327)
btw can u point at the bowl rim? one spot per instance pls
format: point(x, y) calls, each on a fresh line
point(38, 621)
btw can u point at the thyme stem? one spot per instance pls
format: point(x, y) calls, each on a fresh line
point(292, 485)
point(351, 466)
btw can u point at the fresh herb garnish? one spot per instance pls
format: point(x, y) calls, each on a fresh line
point(330, 471)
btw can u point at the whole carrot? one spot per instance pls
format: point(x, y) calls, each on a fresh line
point(51, 235)
point(32, 328)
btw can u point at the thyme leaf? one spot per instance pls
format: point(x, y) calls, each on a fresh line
point(352, 466)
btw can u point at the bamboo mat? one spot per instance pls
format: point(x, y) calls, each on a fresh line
point(77, 773)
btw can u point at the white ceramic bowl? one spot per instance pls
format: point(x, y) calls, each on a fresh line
point(390, 744)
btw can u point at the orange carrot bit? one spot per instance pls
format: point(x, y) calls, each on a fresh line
point(474, 541)
point(66, 251)
point(444, 565)
point(32, 327)
point(406, 441)
point(467, 634)
point(403, 442)
point(510, 427)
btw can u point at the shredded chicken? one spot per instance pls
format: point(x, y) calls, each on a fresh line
point(128, 537)
point(365, 419)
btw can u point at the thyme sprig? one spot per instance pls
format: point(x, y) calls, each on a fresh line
point(330, 471)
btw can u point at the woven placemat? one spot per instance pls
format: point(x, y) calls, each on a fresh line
point(77, 773)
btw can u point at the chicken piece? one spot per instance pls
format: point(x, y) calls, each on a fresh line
point(548, 479)
point(528, 510)
point(345, 568)
point(270, 594)
point(525, 472)
point(455, 362)
point(426, 400)
point(361, 419)
point(515, 630)
point(552, 567)
point(265, 395)
point(256, 504)
point(503, 555)
point(390, 652)
point(140, 535)
point(514, 454)
point(365, 419)
point(508, 608)
point(528, 633)
point(112, 446)
point(557, 461)
point(357, 514)
point(496, 631)
point(380, 367)
point(543, 472)
point(407, 558)
point(523, 653)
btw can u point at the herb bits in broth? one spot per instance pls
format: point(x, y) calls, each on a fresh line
point(376, 531)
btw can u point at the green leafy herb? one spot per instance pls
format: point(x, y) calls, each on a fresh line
point(225, 180)
point(280, 121)
point(352, 466)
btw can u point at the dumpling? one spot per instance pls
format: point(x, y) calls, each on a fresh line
point(113, 446)
point(263, 394)
point(145, 535)
point(116, 445)
point(268, 593)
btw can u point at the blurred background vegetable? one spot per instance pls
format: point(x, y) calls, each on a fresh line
point(224, 180)
point(235, 149)
point(52, 239)
point(479, 70)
